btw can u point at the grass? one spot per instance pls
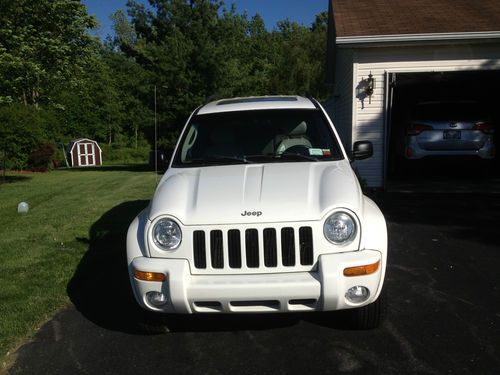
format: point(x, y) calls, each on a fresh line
point(40, 251)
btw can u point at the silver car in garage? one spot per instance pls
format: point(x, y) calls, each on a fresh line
point(449, 128)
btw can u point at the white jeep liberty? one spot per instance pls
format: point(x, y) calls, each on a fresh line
point(260, 211)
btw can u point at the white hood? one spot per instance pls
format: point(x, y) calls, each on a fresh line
point(275, 192)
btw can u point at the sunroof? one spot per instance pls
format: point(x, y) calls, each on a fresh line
point(259, 100)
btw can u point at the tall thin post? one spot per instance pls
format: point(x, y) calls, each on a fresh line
point(4, 164)
point(156, 144)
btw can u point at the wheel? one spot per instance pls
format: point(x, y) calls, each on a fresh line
point(369, 316)
point(153, 323)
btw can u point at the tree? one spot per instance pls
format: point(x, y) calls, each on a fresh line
point(176, 45)
point(300, 64)
point(189, 49)
point(42, 44)
point(135, 93)
point(21, 130)
point(92, 107)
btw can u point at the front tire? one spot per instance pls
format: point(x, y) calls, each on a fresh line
point(369, 316)
point(153, 323)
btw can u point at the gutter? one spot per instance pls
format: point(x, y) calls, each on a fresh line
point(427, 37)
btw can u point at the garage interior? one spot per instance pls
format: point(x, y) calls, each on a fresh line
point(408, 89)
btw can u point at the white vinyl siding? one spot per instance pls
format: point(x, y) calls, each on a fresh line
point(368, 119)
point(368, 125)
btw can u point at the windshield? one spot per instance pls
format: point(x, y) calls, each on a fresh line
point(265, 136)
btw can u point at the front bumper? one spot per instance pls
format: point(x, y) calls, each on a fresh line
point(322, 290)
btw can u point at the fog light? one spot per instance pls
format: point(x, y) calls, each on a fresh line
point(156, 298)
point(357, 294)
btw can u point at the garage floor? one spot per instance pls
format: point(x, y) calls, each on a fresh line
point(447, 175)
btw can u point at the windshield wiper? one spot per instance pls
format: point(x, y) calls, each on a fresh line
point(250, 159)
point(214, 159)
point(287, 156)
point(257, 158)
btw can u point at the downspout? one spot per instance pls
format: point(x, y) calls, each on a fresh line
point(331, 47)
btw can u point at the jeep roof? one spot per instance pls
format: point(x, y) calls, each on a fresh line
point(257, 103)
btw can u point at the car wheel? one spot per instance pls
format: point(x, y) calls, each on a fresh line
point(153, 324)
point(369, 316)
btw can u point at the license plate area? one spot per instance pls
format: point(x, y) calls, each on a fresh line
point(452, 134)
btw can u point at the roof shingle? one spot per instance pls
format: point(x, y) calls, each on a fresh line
point(393, 17)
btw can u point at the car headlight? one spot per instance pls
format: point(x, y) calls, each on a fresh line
point(339, 228)
point(167, 234)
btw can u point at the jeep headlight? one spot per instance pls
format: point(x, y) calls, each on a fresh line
point(339, 228)
point(167, 234)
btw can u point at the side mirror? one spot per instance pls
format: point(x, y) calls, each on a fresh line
point(362, 150)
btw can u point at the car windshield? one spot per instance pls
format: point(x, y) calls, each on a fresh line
point(265, 136)
point(446, 111)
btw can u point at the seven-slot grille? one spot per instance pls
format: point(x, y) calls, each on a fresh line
point(243, 248)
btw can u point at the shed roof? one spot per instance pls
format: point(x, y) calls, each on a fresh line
point(395, 17)
point(74, 142)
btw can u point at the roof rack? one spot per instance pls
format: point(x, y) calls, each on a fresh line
point(258, 100)
point(212, 98)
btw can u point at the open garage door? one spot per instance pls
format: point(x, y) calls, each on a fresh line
point(441, 125)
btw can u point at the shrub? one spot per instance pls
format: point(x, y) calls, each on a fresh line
point(125, 155)
point(41, 158)
point(20, 133)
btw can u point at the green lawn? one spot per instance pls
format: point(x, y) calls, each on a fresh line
point(42, 251)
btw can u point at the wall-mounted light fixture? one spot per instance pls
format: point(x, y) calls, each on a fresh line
point(366, 88)
point(370, 87)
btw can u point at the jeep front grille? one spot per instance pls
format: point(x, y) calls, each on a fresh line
point(270, 256)
point(216, 249)
point(200, 257)
point(234, 246)
point(306, 245)
point(242, 248)
point(288, 247)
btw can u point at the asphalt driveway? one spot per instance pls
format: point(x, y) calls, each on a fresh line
point(444, 310)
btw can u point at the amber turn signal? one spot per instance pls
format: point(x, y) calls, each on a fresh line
point(362, 270)
point(149, 276)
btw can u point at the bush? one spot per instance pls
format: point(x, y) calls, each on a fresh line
point(59, 155)
point(20, 133)
point(125, 155)
point(41, 158)
point(23, 130)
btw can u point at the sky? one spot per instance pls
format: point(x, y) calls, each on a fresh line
point(302, 11)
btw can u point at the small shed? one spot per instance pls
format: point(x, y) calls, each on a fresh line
point(84, 152)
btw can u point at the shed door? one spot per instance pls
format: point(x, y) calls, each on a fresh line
point(87, 154)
